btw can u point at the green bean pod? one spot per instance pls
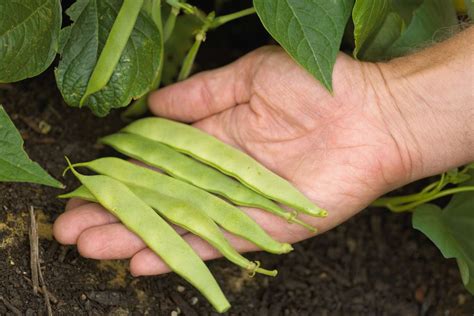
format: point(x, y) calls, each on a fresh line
point(187, 216)
point(113, 48)
point(224, 214)
point(196, 173)
point(157, 234)
point(229, 160)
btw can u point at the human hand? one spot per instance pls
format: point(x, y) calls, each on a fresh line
point(341, 150)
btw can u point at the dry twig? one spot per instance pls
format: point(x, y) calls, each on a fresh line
point(36, 273)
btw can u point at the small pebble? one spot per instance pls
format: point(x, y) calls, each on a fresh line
point(351, 245)
point(420, 294)
point(194, 300)
point(44, 127)
point(180, 288)
point(176, 312)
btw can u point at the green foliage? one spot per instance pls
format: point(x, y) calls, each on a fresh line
point(29, 33)
point(451, 229)
point(390, 30)
point(368, 16)
point(405, 8)
point(309, 30)
point(83, 43)
point(178, 45)
point(435, 190)
point(15, 166)
point(433, 21)
point(109, 56)
point(410, 27)
point(470, 8)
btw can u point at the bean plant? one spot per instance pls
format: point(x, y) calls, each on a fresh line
point(112, 53)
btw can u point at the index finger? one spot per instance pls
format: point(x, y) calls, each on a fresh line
point(207, 93)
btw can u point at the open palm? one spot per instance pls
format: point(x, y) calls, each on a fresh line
point(336, 148)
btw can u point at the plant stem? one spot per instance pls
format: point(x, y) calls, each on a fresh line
point(139, 107)
point(230, 17)
point(191, 57)
point(156, 14)
point(431, 186)
point(170, 23)
point(411, 206)
point(182, 5)
point(428, 191)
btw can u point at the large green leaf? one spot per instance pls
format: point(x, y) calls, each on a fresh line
point(309, 30)
point(15, 166)
point(386, 35)
point(83, 42)
point(368, 16)
point(470, 8)
point(406, 8)
point(451, 230)
point(429, 22)
point(29, 32)
point(432, 21)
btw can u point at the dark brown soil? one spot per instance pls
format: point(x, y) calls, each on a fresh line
point(375, 264)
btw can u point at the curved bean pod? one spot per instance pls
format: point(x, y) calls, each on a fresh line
point(113, 48)
point(185, 215)
point(196, 173)
point(157, 234)
point(211, 151)
point(226, 215)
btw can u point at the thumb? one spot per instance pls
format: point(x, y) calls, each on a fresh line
point(206, 93)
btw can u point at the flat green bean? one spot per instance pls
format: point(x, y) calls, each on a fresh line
point(157, 234)
point(113, 48)
point(187, 169)
point(229, 160)
point(187, 216)
point(224, 214)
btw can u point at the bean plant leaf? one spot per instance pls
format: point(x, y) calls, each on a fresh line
point(406, 8)
point(429, 22)
point(451, 230)
point(309, 30)
point(15, 166)
point(368, 16)
point(434, 20)
point(470, 8)
point(29, 33)
point(386, 35)
point(82, 43)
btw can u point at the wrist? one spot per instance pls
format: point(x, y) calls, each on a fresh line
point(428, 106)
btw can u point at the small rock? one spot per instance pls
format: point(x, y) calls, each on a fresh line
point(109, 298)
point(461, 299)
point(30, 312)
point(180, 288)
point(351, 245)
point(119, 311)
point(420, 293)
point(194, 300)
